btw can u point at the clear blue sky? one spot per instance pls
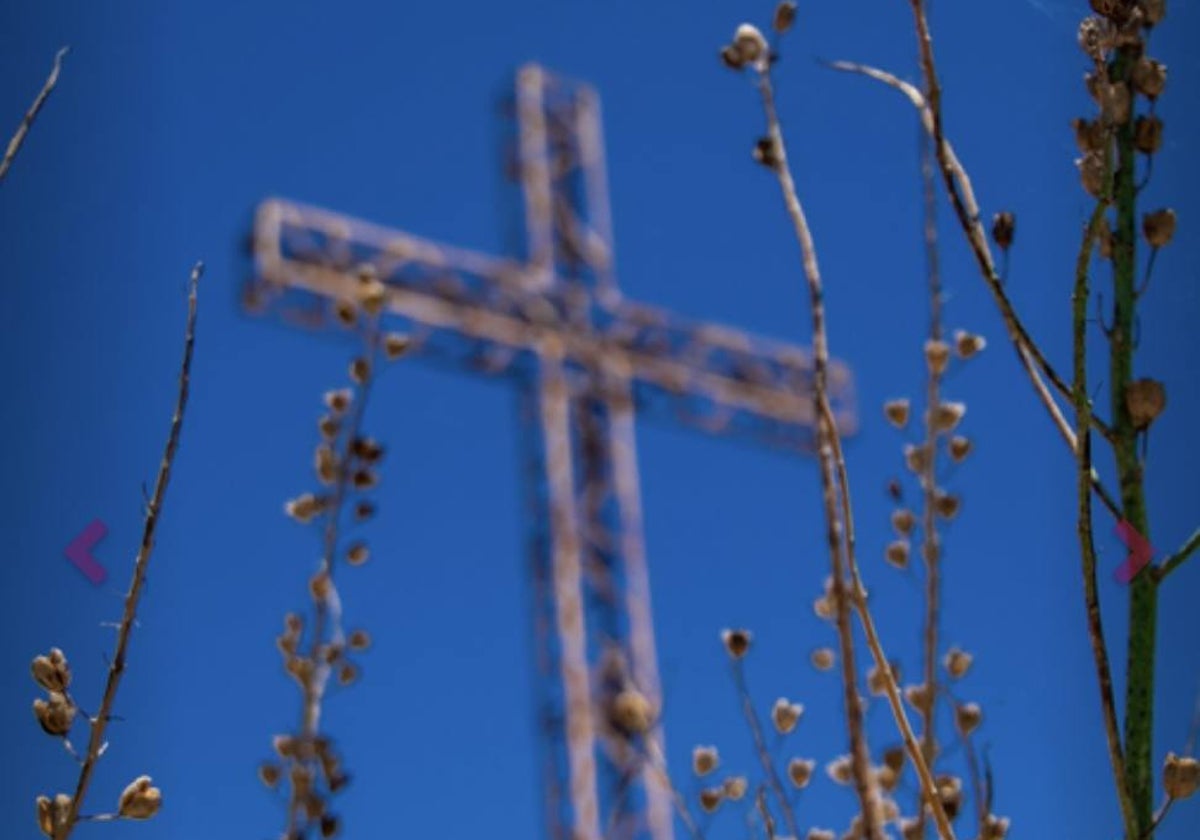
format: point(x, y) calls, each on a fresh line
point(172, 120)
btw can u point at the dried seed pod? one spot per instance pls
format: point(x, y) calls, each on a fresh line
point(52, 814)
point(937, 355)
point(304, 507)
point(785, 715)
point(320, 586)
point(897, 553)
point(1159, 227)
point(330, 825)
point(896, 412)
point(822, 658)
point(912, 829)
point(919, 697)
point(736, 642)
point(960, 448)
point(734, 788)
point(840, 770)
point(372, 294)
point(346, 313)
point(395, 345)
point(1149, 77)
point(785, 16)
point(1004, 228)
point(968, 344)
point(325, 464)
point(1115, 101)
point(360, 369)
point(1147, 134)
point(887, 779)
point(56, 714)
point(357, 554)
point(140, 800)
point(1145, 399)
point(705, 760)
point(364, 479)
point(750, 42)
point(1107, 8)
point(284, 746)
point(967, 717)
point(328, 426)
point(1091, 174)
point(994, 828)
point(894, 758)
point(1093, 38)
point(903, 521)
point(1090, 135)
point(799, 771)
point(269, 774)
point(631, 712)
point(338, 400)
point(916, 458)
point(946, 505)
point(347, 674)
point(1181, 776)
point(1153, 11)
point(957, 662)
point(820, 834)
point(824, 607)
point(51, 671)
point(766, 152)
point(710, 799)
point(949, 790)
point(947, 415)
point(363, 511)
point(731, 57)
point(359, 640)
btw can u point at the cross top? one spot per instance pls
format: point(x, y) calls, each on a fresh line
point(584, 357)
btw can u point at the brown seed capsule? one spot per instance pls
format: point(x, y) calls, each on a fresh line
point(1091, 174)
point(1153, 11)
point(346, 313)
point(710, 799)
point(823, 607)
point(140, 800)
point(1115, 101)
point(840, 770)
point(1181, 776)
point(357, 554)
point(968, 344)
point(364, 479)
point(360, 369)
point(395, 345)
point(947, 416)
point(897, 554)
point(994, 828)
point(1090, 135)
point(731, 57)
point(822, 658)
point(916, 458)
point(960, 448)
point(338, 400)
point(372, 294)
point(1147, 134)
point(359, 640)
point(325, 464)
point(284, 746)
point(734, 788)
point(51, 671)
point(766, 153)
point(750, 43)
point(967, 717)
point(903, 521)
point(785, 715)
point(896, 412)
point(957, 662)
point(56, 714)
point(320, 586)
point(1149, 77)
point(946, 505)
point(1004, 228)
point(919, 697)
point(1145, 399)
point(894, 758)
point(800, 770)
point(632, 712)
point(785, 16)
point(736, 642)
point(269, 774)
point(937, 355)
point(1092, 37)
point(1159, 227)
point(363, 511)
point(52, 814)
point(330, 825)
point(347, 674)
point(705, 760)
point(887, 778)
point(328, 427)
point(304, 507)
point(949, 790)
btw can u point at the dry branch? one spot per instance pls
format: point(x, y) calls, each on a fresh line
point(18, 139)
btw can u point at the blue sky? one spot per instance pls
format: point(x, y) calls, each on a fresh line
point(172, 120)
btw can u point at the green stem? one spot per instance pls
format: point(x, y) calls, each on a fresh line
point(1143, 602)
point(1176, 560)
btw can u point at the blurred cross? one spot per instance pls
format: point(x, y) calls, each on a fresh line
point(584, 357)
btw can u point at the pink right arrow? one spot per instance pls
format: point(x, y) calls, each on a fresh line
point(1140, 552)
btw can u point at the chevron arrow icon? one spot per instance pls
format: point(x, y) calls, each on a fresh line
point(79, 552)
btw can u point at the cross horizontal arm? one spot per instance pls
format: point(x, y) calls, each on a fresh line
point(719, 378)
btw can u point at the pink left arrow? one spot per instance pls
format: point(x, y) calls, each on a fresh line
point(79, 552)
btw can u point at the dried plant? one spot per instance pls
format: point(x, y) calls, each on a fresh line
point(18, 138)
point(318, 648)
point(58, 817)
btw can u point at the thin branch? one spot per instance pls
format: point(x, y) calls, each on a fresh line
point(1028, 354)
point(14, 145)
point(658, 763)
point(1087, 545)
point(99, 722)
point(832, 459)
point(1176, 560)
point(760, 747)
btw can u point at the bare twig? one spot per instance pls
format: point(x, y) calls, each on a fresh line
point(658, 763)
point(14, 145)
point(99, 722)
point(832, 461)
point(1176, 560)
point(760, 748)
point(1028, 354)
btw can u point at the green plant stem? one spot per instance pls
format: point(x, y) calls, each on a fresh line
point(1143, 601)
point(1176, 560)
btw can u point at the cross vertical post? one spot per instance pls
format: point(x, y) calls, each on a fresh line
point(585, 359)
